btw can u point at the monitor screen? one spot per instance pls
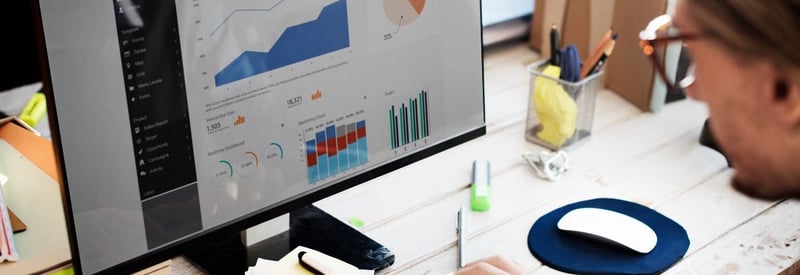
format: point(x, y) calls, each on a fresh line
point(175, 119)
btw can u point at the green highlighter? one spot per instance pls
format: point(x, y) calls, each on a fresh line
point(481, 188)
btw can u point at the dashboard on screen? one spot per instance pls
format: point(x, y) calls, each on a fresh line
point(176, 118)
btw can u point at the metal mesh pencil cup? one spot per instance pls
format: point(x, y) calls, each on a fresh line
point(583, 93)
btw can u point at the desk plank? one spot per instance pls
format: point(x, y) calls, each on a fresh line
point(766, 244)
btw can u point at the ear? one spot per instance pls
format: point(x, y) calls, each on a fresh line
point(786, 95)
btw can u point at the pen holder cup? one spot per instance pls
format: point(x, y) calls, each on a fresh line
point(560, 113)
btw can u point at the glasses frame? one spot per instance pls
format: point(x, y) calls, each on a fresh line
point(650, 39)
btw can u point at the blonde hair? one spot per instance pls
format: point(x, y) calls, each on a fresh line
point(759, 29)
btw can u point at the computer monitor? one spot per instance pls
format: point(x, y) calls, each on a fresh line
point(179, 121)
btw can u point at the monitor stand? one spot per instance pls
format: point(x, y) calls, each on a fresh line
point(309, 226)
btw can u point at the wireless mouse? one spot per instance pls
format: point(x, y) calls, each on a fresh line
point(610, 227)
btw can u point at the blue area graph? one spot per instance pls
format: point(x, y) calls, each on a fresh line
point(328, 33)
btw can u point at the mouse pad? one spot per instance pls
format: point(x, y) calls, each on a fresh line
point(576, 254)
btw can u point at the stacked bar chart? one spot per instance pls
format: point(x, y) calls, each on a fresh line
point(336, 149)
point(409, 122)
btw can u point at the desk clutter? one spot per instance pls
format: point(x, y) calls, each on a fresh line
point(32, 191)
point(582, 22)
point(563, 91)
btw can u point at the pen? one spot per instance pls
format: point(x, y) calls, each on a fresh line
point(460, 230)
point(555, 52)
point(312, 264)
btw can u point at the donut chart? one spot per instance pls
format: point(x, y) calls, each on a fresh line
point(403, 12)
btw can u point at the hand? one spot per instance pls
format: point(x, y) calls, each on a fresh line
point(495, 265)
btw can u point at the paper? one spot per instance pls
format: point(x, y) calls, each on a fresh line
point(557, 111)
point(8, 250)
point(290, 265)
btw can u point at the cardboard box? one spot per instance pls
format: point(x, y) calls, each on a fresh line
point(629, 73)
point(585, 22)
point(546, 13)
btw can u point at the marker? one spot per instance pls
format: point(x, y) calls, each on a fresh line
point(480, 190)
point(34, 110)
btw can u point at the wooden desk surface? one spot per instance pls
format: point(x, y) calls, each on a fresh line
point(652, 159)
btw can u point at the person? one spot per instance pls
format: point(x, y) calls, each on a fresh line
point(747, 71)
point(494, 265)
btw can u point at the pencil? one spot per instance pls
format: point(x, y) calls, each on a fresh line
point(602, 60)
point(597, 52)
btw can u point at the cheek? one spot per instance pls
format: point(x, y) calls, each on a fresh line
point(718, 79)
point(727, 92)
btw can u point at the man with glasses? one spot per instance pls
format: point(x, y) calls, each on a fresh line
point(747, 70)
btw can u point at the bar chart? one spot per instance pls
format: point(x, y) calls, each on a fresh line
point(409, 122)
point(336, 149)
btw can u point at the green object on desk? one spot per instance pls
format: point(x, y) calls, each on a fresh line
point(34, 110)
point(65, 271)
point(358, 223)
point(480, 190)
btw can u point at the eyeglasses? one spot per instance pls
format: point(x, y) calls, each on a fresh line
point(654, 40)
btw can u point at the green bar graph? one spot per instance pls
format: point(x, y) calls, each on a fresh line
point(409, 122)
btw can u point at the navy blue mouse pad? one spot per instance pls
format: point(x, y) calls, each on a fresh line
point(571, 253)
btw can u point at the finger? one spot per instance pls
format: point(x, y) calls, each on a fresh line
point(481, 268)
point(502, 263)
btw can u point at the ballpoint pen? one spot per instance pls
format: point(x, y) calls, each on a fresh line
point(460, 230)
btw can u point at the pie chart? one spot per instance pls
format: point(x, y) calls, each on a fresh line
point(403, 12)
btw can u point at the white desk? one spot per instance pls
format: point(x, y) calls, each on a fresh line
point(652, 159)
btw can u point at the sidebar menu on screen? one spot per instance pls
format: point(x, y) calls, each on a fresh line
point(157, 107)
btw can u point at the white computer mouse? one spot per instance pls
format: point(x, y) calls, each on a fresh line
point(611, 227)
